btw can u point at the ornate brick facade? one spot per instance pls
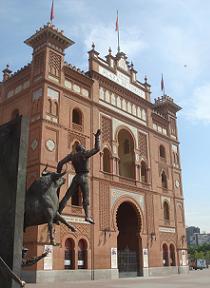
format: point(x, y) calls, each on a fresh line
point(104, 206)
point(106, 127)
point(142, 140)
point(138, 210)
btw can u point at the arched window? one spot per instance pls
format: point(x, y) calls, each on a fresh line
point(126, 154)
point(166, 212)
point(143, 172)
point(54, 108)
point(176, 159)
point(172, 255)
point(77, 117)
point(165, 255)
point(82, 254)
point(106, 160)
point(164, 179)
point(69, 260)
point(15, 113)
point(49, 106)
point(162, 152)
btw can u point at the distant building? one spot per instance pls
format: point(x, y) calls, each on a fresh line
point(135, 181)
point(199, 239)
point(190, 231)
point(202, 238)
point(194, 237)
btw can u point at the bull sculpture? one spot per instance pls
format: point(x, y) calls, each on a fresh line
point(42, 202)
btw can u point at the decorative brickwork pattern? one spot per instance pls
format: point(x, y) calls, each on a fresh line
point(39, 64)
point(104, 206)
point(54, 64)
point(142, 139)
point(77, 127)
point(78, 211)
point(150, 213)
point(82, 230)
point(106, 127)
point(74, 137)
point(167, 237)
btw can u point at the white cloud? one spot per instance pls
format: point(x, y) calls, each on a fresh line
point(106, 36)
point(200, 104)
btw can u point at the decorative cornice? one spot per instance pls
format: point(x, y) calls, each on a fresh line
point(123, 91)
point(166, 102)
point(73, 69)
point(45, 34)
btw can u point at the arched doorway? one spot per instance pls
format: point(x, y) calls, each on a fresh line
point(129, 241)
point(172, 255)
point(165, 255)
point(82, 254)
point(126, 154)
point(69, 260)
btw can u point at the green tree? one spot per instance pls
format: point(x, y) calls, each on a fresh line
point(199, 255)
point(199, 251)
point(207, 256)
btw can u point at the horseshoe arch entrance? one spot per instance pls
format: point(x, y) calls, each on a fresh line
point(129, 244)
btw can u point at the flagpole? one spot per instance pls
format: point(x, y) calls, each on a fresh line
point(118, 33)
point(52, 13)
point(163, 85)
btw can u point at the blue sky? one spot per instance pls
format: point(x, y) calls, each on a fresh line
point(158, 36)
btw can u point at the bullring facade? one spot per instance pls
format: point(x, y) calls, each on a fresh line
point(135, 181)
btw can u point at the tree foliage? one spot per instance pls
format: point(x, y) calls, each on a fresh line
point(199, 251)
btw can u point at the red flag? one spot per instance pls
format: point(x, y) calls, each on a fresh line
point(52, 14)
point(162, 84)
point(117, 28)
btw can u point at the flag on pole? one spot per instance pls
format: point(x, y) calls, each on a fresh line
point(52, 13)
point(118, 33)
point(116, 27)
point(162, 85)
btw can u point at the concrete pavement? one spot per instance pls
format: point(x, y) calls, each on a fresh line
point(195, 279)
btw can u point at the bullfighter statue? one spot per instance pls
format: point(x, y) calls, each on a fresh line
point(31, 261)
point(8, 273)
point(79, 161)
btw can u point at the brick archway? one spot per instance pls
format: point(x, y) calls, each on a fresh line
point(136, 205)
point(129, 243)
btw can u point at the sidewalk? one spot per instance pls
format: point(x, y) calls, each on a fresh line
point(195, 279)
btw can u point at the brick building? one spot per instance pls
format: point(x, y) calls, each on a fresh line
point(135, 181)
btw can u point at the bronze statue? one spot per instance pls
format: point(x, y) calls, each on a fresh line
point(42, 203)
point(29, 262)
point(79, 161)
point(8, 273)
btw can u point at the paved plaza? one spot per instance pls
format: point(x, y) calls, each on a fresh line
point(196, 279)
